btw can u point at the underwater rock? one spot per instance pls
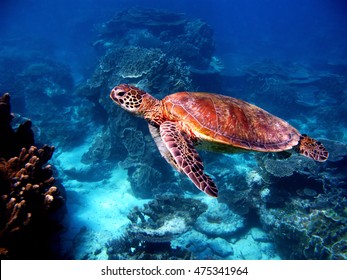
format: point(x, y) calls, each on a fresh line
point(153, 228)
point(135, 147)
point(219, 221)
point(154, 53)
point(165, 233)
point(143, 179)
point(274, 196)
point(99, 150)
point(260, 235)
point(194, 241)
point(156, 218)
point(44, 84)
point(301, 206)
point(309, 236)
point(29, 196)
point(221, 247)
point(255, 246)
point(128, 248)
point(163, 208)
point(131, 63)
point(240, 202)
point(282, 88)
point(48, 77)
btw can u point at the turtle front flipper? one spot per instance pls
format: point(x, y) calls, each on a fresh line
point(186, 159)
point(161, 146)
point(312, 148)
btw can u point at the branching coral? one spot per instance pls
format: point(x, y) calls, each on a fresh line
point(27, 188)
point(28, 193)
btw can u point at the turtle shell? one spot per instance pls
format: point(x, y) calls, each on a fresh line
point(224, 121)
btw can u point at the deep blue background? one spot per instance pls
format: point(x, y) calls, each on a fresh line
point(314, 30)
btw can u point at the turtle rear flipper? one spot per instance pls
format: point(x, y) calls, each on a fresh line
point(312, 148)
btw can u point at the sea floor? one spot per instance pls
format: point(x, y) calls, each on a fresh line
point(97, 213)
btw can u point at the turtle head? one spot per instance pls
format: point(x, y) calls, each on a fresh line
point(130, 98)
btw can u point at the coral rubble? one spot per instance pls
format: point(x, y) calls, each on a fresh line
point(29, 196)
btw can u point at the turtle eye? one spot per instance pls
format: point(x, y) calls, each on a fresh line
point(117, 95)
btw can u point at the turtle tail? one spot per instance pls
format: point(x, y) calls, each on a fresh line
point(312, 148)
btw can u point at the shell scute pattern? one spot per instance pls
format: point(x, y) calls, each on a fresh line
point(231, 121)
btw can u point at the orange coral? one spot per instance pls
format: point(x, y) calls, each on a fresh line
point(27, 192)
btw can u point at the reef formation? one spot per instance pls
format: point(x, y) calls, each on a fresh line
point(30, 199)
point(152, 229)
point(270, 205)
point(167, 53)
point(159, 51)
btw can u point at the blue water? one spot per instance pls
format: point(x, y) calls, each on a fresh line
point(59, 61)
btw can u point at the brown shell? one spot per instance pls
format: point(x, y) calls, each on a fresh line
point(224, 121)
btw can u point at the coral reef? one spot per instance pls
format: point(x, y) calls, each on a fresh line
point(165, 217)
point(308, 233)
point(214, 224)
point(153, 228)
point(300, 204)
point(190, 40)
point(46, 85)
point(309, 218)
point(28, 194)
point(150, 68)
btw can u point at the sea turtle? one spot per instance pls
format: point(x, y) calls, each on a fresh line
point(185, 120)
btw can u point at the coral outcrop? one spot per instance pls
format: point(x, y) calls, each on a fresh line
point(215, 224)
point(161, 52)
point(36, 81)
point(300, 204)
point(303, 205)
point(29, 197)
point(153, 228)
point(177, 36)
